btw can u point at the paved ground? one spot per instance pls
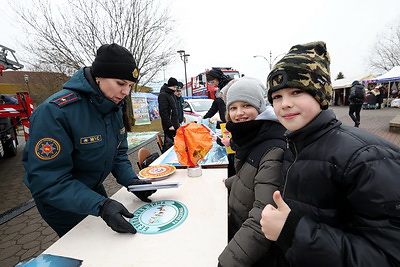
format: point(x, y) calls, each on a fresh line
point(26, 236)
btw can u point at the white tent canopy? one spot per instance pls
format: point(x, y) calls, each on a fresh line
point(346, 82)
point(391, 75)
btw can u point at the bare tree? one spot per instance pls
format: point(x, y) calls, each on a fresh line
point(64, 35)
point(386, 51)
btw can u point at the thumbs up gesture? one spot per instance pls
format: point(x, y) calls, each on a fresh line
point(273, 219)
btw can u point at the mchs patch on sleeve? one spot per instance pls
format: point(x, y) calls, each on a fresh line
point(47, 148)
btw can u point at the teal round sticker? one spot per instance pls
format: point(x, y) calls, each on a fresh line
point(159, 216)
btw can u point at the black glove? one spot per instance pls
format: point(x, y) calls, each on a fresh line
point(112, 211)
point(142, 195)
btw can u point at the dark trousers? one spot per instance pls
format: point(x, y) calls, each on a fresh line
point(354, 112)
point(62, 221)
point(231, 165)
point(169, 133)
point(168, 139)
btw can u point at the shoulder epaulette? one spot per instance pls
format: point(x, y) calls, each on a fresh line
point(66, 99)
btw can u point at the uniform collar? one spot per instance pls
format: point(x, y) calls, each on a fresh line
point(97, 98)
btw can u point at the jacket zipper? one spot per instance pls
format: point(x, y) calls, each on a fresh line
point(295, 159)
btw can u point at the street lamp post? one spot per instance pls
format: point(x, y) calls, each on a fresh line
point(26, 79)
point(184, 57)
point(270, 61)
point(163, 64)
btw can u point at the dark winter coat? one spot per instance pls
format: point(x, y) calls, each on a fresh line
point(167, 108)
point(250, 190)
point(223, 81)
point(381, 96)
point(352, 97)
point(179, 106)
point(218, 105)
point(372, 99)
point(342, 185)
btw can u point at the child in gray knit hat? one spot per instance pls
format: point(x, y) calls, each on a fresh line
point(258, 137)
point(249, 90)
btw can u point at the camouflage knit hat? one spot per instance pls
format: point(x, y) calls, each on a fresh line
point(306, 67)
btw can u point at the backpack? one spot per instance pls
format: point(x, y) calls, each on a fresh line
point(358, 94)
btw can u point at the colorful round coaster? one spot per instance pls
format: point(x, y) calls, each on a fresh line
point(158, 172)
point(159, 216)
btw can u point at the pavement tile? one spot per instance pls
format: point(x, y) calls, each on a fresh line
point(6, 243)
point(31, 244)
point(9, 252)
point(5, 239)
point(14, 228)
point(26, 238)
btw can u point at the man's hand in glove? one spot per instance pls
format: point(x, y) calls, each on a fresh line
point(142, 195)
point(112, 211)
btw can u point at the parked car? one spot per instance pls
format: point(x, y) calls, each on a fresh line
point(195, 109)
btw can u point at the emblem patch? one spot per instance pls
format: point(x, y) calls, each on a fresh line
point(91, 139)
point(135, 73)
point(47, 148)
point(159, 216)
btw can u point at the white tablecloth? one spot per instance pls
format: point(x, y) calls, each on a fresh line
point(198, 241)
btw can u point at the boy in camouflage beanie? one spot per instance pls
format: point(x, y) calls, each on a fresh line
point(337, 193)
point(305, 67)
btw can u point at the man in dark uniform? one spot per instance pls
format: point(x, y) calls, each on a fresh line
point(77, 138)
point(168, 110)
point(179, 104)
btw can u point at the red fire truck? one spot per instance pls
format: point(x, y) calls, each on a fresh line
point(198, 86)
point(15, 114)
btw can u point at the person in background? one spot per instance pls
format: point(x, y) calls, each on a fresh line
point(77, 138)
point(339, 200)
point(218, 78)
point(223, 82)
point(8, 100)
point(259, 139)
point(372, 98)
point(179, 102)
point(356, 99)
point(380, 97)
point(167, 107)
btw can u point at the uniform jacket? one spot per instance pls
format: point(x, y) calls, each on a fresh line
point(167, 108)
point(342, 185)
point(249, 191)
point(77, 137)
point(179, 105)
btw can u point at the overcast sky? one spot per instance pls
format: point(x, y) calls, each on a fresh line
point(229, 33)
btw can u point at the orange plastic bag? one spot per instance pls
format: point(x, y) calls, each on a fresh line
point(192, 143)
